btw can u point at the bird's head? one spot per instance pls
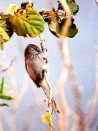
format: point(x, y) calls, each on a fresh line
point(32, 49)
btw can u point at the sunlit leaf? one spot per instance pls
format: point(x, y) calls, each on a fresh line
point(29, 23)
point(5, 97)
point(5, 31)
point(4, 94)
point(4, 34)
point(2, 86)
point(12, 8)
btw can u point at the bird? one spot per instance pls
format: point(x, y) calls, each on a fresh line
point(34, 65)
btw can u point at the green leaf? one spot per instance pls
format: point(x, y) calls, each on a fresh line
point(29, 23)
point(2, 86)
point(56, 21)
point(4, 35)
point(73, 30)
point(12, 8)
point(3, 104)
point(56, 28)
point(3, 93)
point(5, 97)
point(5, 31)
point(72, 5)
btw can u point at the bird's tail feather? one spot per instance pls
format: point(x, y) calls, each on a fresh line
point(46, 88)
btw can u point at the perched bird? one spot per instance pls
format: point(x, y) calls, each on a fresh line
point(35, 65)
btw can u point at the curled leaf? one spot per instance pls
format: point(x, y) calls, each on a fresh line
point(56, 21)
point(26, 5)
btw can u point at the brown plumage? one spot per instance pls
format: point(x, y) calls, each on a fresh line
point(35, 65)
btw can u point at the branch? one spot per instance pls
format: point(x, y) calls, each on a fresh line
point(45, 73)
point(45, 76)
point(65, 110)
point(79, 115)
point(79, 123)
point(94, 100)
point(9, 66)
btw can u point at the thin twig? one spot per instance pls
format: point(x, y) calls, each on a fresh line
point(9, 66)
point(94, 100)
point(64, 115)
point(44, 50)
point(79, 123)
point(45, 75)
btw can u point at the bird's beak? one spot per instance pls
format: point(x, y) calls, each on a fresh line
point(40, 52)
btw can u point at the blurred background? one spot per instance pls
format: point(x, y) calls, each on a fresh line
point(25, 111)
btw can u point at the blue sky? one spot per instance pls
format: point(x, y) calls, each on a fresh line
point(81, 48)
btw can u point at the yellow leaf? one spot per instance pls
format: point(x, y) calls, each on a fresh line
point(3, 34)
point(12, 8)
point(47, 118)
point(57, 108)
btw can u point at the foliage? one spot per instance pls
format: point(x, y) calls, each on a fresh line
point(4, 94)
point(56, 21)
point(24, 21)
point(5, 32)
point(72, 5)
point(28, 22)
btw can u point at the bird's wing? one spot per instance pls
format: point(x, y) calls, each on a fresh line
point(32, 74)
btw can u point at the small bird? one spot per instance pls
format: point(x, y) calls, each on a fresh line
point(34, 64)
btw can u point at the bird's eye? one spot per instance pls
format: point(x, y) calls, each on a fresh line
point(32, 49)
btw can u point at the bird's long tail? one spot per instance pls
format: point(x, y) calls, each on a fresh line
point(46, 88)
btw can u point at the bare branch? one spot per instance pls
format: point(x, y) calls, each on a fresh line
point(65, 110)
point(94, 100)
point(9, 66)
point(79, 123)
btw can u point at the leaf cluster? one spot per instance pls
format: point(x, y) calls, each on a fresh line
point(56, 19)
point(24, 21)
point(28, 22)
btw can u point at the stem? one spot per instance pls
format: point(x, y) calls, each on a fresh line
point(64, 115)
point(44, 50)
point(49, 95)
